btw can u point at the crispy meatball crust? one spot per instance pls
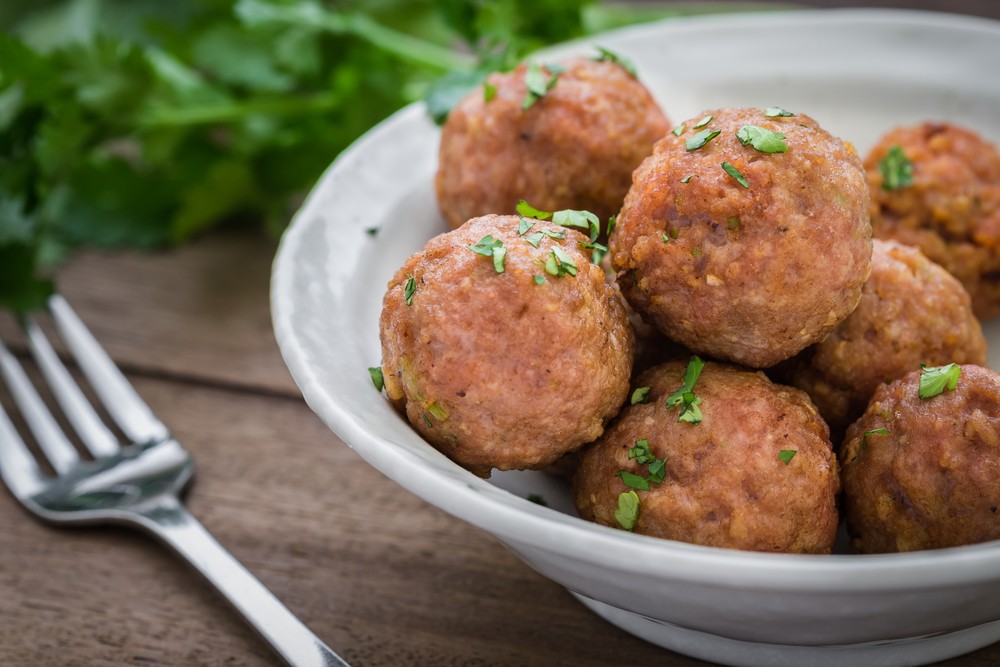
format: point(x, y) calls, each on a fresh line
point(493, 369)
point(756, 274)
point(574, 148)
point(725, 484)
point(934, 479)
point(912, 312)
point(952, 209)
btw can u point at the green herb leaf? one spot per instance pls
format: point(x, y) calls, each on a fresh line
point(735, 173)
point(624, 63)
point(491, 247)
point(409, 289)
point(377, 379)
point(634, 481)
point(685, 397)
point(640, 395)
point(786, 455)
point(527, 210)
point(554, 233)
point(641, 452)
point(937, 380)
point(538, 83)
point(764, 140)
point(597, 251)
point(657, 470)
point(703, 122)
point(582, 219)
point(524, 225)
point(628, 509)
point(534, 239)
point(539, 280)
point(874, 431)
point(678, 130)
point(687, 179)
point(700, 139)
point(499, 255)
point(558, 263)
point(665, 237)
point(489, 91)
point(777, 112)
point(896, 169)
point(611, 224)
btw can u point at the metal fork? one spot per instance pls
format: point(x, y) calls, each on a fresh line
point(137, 484)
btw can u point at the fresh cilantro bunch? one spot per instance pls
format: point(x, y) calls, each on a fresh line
point(137, 123)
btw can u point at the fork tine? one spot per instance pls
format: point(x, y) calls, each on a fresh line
point(17, 466)
point(120, 399)
point(50, 437)
point(85, 420)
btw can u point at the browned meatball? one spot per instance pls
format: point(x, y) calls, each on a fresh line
point(912, 312)
point(574, 148)
point(925, 473)
point(505, 370)
point(750, 272)
point(951, 210)
point(727, 482)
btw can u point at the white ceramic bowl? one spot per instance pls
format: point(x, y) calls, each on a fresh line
point(858, 72)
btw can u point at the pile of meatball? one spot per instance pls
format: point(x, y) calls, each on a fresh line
point(730, 331)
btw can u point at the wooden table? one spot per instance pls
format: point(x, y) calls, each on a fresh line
point(382, 576)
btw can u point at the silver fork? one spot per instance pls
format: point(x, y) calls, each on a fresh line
point(138, 484)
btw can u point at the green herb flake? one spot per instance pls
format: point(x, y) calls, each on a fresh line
point(700, 139)
point(634, 481)
point(377, 378)
point(628, 509)
point(558, 263)
point(499, 255)
point(409, 289)
point(657, 470)
point(703, 122)
point(937, 380)
point(534, 239)
point(554, 233)
point(611, 224)
point(624, 63)
point(786, 455)
point(491, 247)
point(896, 168)
point(582, 219)
point(523, 225)
point(529, 211)
point(762, 139)
point(597, 251)
point(489, 91)
point(735, 173)
point(640, 452)
point(665, 237)
point(538, 83)
point(640, 395)
point(427, 421)
point(539, 280)
point(687, 179)
point(679, 130)
point(777, 112)
point(685, 397)
point(874, 431)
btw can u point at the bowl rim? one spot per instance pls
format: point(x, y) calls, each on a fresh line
point(531, 526)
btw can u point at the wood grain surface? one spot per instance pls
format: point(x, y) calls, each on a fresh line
point(383, 577)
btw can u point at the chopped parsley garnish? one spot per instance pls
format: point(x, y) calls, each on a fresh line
point(611, 224)
point(684, 397)
point(613, 57)
point(764, 140)
point(703, 122)
point(641, 453)
point(538, 82)
point(628, 509)
point(491, 247)
point(489, 91)
point(539, 280)
point(640, 395)
point(896, 168)
point(534, 239)
point(597, 251)
point(700, 139)
point(874, 431)
point(427, 421)
point(735, 173)
point(554, 233)
point(665, 237)
point(634, 481)
point(777, 112)
point(377, 379)
point(526, 209)
point(582, 219)
point(558, 263)
point(687, 179)
point(656, 468)
point(409, 289)
point(937, 380)
point(679, 130)
point(786, 455)
point(523, 225)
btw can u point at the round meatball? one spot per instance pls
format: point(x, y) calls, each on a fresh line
point(740, 253)
point(508, 369)
point(912, 312)
point(925, 473)
point(949, 206)
point(574, 148)
point(757, 473)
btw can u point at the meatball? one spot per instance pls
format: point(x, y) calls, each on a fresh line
point(942, 194)
point(574, 148)
point(925, 473)
point(742, 252)
point(757, 473)
point(508, 369)
point(912, 312)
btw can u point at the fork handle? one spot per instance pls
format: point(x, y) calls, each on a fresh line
point(286, 634)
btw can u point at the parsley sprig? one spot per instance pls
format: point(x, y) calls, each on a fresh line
point(685, 397)
point(937, 380)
